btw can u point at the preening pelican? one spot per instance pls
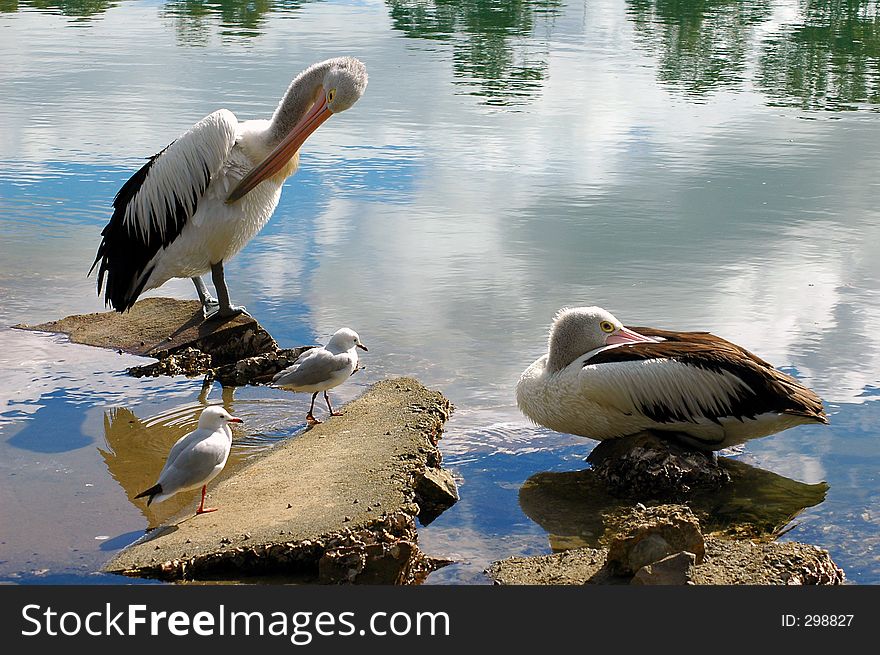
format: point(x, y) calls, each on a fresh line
point(602, 380)
point(321, 369)
point(197, 202)
point(196, 458)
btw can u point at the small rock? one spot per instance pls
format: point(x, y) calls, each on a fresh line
point(435, 493)
point(675, 569)
point(665, 529)
point(289, 506)
point(652, 548)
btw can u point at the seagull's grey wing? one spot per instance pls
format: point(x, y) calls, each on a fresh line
point(181, 445)
point(315, 369)
point(193, 465)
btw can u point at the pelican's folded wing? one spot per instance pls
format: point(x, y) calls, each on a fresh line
point(153, 206)
point(672, 381)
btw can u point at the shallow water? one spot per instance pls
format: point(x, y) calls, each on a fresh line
point(692, 168)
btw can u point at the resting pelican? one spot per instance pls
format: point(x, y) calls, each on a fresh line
point(197, 202)
point(321, 369)
point(602, 380)
point(196, 458)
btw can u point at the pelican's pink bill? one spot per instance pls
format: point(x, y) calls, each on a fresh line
point(284, 151)
point(625, 335)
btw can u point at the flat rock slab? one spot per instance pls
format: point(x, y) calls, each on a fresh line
point(337, 503)
point(159, 327)
point(727, 562)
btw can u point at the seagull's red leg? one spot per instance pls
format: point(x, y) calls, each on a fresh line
point(332, 413)
point(310, 418)
point(202, 509)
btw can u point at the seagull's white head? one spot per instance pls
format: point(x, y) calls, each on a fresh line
point(345, 339)
point(214, 417)
point(578, 330)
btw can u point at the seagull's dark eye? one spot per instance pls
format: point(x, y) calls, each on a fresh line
point(607, 326)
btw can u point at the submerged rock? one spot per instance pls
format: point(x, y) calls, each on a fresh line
point(190, 362)
point(575, 507)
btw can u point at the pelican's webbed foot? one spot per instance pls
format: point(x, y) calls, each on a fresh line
point(210, 308)
point(230, 311)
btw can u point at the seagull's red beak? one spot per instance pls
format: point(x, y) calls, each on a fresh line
point(234, 419)
point(284, 151)
point(625, 335)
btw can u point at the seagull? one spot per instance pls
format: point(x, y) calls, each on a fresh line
point(320, 369)
point(196, 458)
point(196, 203)
point(600, 379)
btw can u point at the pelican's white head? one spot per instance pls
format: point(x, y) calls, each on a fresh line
point(345, 339)
point(578, 330)
point(344, 83)
point(323, 89)
point(215, 416)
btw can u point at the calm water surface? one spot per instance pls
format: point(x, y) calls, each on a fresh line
point(707, 167)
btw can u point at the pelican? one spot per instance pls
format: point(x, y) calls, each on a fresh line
point(321, 369)
point(196, 458)
point(602, 380)
point(197, 202)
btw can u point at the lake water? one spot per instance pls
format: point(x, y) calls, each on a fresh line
point(690, 167)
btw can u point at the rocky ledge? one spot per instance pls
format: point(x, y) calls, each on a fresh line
point(336, 504)
point(234, 351)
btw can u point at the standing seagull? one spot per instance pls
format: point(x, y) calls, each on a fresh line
point(197, 202)
point(602, 380)
point(320, 369)
point(196, 458)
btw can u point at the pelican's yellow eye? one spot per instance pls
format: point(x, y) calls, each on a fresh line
point(607, 326)
point(331, 94)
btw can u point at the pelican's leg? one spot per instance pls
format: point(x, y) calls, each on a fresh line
point(310, 418)
point(332, 413)
point(226, 309)
point(209, 304)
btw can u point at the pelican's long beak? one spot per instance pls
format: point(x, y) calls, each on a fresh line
point(284, 151)
point(625, 335)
